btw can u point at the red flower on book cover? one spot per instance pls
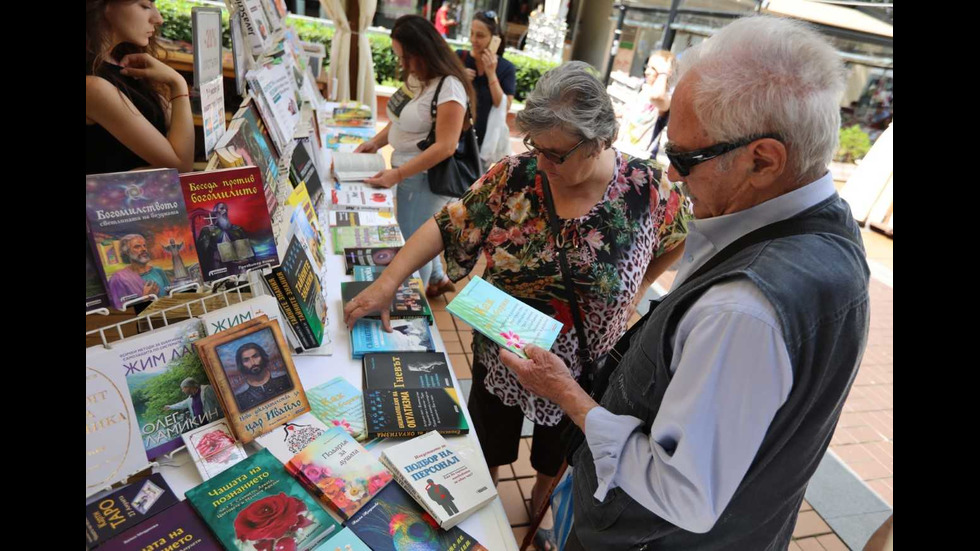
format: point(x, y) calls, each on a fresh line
point(215, 446)
point(271, 518)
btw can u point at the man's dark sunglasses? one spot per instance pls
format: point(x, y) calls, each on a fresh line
point(684, 161)
point(553, 157)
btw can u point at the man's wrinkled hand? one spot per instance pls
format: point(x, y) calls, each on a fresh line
point(543, 373)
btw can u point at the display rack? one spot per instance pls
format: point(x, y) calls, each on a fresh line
point(237, 289)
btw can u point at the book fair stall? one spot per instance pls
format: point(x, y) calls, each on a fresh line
point(237, 410)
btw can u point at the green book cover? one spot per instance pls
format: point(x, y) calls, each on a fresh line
point(337, 403)
point(365, 236)
point(502, 318)
point(302, 280)
point(257, 505)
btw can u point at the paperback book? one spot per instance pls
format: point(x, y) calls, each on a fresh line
point(252, 369)
point(357, 196)
point(409, 300)
point(345, 540)
point(287, 440)
point(351, 114)
point(230, 221)
point(178, 527)
point(409, 412)
point(337, 403)
point(95, 295)
point(347, 218)
point(140, 236)
point(278, 102)
point(394, 521)
point(113, 443)
point(257, 505)
point(345, 140)
point(213, 448)
point(365, 237)
point(367, 273)
point(372, 256)
point(408, 335)
point(246, 147)
point(396, 370)
point(502, 318)
point(339, 471)
point(438, 478)
point(247, 310)
point(303, 170)
point(355, 167)
point(297, 287)
point(168, 384)
point(125, 507)
point(306, 233)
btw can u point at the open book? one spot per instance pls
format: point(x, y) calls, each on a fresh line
point(355, 167)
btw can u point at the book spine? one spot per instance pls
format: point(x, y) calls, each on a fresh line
point(286, 308)
point(304, 324)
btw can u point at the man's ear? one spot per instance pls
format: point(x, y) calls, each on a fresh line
point(769, 158)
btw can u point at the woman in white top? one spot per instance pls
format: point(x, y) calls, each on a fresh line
point(426, 59)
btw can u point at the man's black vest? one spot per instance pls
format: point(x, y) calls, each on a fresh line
point(818, 285)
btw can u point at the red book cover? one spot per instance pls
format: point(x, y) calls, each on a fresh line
point(229, 220)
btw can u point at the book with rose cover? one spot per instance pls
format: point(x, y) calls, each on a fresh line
point(438, 478)
point(110, 515)
point(339, 471)
point(393, 521)
point(502, 318)
point(213, 448)
point(256, 504)
point(177, 528)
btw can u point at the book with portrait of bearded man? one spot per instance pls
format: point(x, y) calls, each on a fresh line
point(251, 366)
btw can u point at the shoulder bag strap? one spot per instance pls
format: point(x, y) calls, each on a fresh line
point(433, 108)
point(583, 345)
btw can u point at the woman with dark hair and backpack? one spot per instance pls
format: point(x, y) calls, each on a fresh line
point(426, 61)
point(137, 109)
point(494, 78)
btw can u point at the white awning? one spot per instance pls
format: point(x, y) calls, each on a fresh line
point(828, 14)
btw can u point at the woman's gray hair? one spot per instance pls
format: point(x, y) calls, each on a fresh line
point(571, 98)
point(763, 74)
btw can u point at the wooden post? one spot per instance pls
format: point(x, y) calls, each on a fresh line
point(353, 14)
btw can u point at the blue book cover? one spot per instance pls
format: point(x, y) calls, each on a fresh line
point(345, 540)
point(502, 318)
point(337, 403)
point(408, 335)
point(393, 521)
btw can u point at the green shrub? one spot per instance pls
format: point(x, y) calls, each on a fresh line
point(177, 26)
point(854, 144)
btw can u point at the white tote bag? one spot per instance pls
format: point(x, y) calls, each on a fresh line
point(496, 142)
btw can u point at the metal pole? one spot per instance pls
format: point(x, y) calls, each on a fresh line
point(668, 40)
point(615, 45)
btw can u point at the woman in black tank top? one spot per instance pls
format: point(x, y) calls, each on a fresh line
point(137, 109)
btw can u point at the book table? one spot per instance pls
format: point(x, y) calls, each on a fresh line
point(489, 525)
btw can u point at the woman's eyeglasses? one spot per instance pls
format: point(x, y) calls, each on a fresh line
point(553, 157)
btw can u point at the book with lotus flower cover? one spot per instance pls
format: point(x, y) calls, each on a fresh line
point(339, 471)
point(213, 448)
point(255, 504)
point(393, 521)
point(337, 403)
point(502, 318)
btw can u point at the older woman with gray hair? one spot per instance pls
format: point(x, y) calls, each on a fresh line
point(621, 224)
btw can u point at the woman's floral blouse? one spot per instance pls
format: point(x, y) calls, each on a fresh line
point(503, 216)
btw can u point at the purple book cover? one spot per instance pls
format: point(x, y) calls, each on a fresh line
point(177, 528)
point(140, 236)
point(126, 507)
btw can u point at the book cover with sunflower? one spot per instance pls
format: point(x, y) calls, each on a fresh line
point(256, 506)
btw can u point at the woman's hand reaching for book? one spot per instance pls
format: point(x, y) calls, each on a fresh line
point(366, 147)
point(376, 298)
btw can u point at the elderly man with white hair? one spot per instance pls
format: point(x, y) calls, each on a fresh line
point(707, 431)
